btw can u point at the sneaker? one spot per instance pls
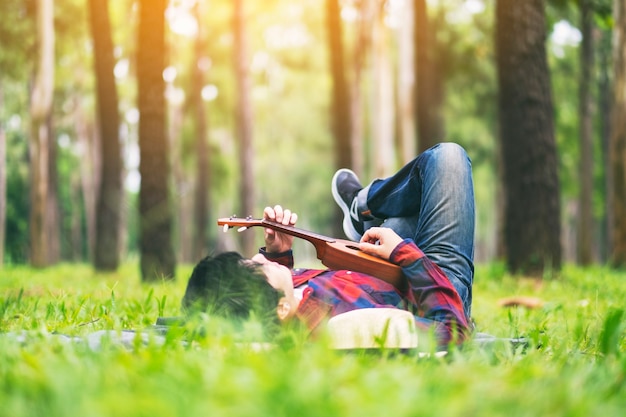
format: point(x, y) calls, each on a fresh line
point(345, 187)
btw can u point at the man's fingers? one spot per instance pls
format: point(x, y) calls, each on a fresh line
point(286, 217)
point(370, 248)
point(371, 235)
point(278, 210)
point(280, 215)
point(269, 213)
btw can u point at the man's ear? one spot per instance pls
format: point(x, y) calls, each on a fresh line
point(284, 309)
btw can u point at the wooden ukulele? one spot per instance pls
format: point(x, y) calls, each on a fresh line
point(334, 253)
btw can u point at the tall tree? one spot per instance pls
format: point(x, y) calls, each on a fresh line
point(362, 44)
point(155, 214)
point(87, 138)
point(532, 212)
point(604, 113)
point(53, 218)
point(585, 222)
point(81, 183)
point(203, 180)
point(39, 144)
point(340, 100)
point(106, 250)
point(244, 122)
point(184, 200)
point(422, 67)
point(617, 145)
point(405, 87)
point(340, 111)
point(428, 78)
point(3, 179)
point(383, 107)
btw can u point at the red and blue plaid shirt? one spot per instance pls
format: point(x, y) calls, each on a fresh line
point(429, 295)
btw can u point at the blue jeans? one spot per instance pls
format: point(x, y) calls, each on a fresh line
point(431, 200)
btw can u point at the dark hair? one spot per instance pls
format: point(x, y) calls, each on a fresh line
point(226, 286)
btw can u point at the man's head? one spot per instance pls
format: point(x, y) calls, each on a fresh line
point(230, 286)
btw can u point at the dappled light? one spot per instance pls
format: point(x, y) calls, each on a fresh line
point(472, 152)
point(293, 118)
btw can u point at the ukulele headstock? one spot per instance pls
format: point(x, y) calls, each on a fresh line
point(240, 222)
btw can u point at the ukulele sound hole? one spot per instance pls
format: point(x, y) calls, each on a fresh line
point(352, 247)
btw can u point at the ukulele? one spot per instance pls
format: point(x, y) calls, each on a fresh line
point(334, 253)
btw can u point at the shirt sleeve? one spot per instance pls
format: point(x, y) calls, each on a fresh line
point(433, 293)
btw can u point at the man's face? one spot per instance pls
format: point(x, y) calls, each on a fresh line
point(279, 277)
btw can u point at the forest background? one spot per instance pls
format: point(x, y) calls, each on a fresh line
point(127, 128)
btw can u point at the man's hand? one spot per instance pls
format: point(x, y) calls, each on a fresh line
point(276, 242)
point(379, 241)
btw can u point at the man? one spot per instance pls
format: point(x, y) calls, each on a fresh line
point(421, 219)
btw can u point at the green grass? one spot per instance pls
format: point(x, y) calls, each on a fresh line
point(575, 366)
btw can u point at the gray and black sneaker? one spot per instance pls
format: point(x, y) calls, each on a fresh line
point(345, 187)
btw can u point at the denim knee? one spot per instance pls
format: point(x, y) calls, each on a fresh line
point(449, 156)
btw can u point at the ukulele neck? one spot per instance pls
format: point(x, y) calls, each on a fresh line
point(315, 238)
point(296, 232)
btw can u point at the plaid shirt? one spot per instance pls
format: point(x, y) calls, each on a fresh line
point(429, 295)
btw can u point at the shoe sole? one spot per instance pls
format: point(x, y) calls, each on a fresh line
point(348, 227)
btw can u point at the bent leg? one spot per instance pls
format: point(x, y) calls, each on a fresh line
point(431, 200)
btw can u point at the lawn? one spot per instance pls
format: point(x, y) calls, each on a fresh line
point(575, 364)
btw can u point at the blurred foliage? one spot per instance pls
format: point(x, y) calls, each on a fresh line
point(18, 200)
point(290, 94)
point(16, 38)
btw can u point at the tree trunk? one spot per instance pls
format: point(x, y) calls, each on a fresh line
point(340, 101)
point(3, 182)
point(422, 75)
point(40, 108)
point(500, 207)
point(106, 251)
point(604, 111)
point(203, 179)
point(244, 125)
point(363, 44)
point(585, 213)
point(158, 260)
point(618, 138)
point(183, 201)
point(89, 174)
point(53, 220)
point(428, 80)
point(532, 212)
point(383, 117)
point(405, 87)
point(75, 229)
point(340, 112)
